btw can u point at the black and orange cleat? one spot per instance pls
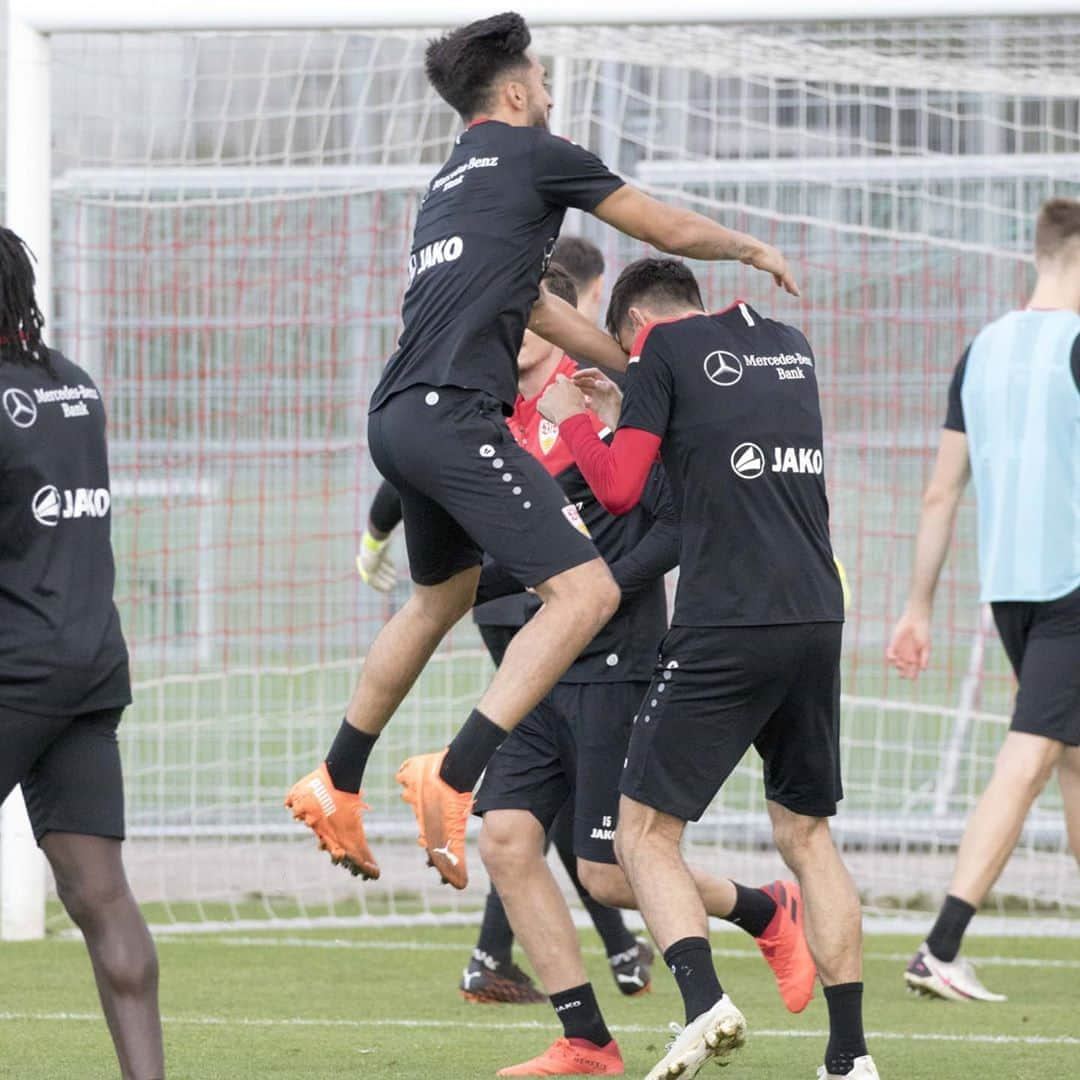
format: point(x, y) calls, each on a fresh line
point(441, 814)
point(337, 820)
point(783, 944)
point(493, 982)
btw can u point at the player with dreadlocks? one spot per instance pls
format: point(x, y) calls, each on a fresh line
point(63, 663)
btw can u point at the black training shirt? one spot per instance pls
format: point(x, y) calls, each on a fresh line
point(61, 648)
point(734, 398)
point(483, 238)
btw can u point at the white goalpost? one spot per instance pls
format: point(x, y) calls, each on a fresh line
point(220, 197)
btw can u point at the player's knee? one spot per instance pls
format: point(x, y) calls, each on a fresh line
point(604, 882)
point(588, 594)
point(88, 898)
point(797, 836)
point(503, 848)
point(1027, 765)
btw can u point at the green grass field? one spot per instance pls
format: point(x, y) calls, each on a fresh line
point(382, 1003)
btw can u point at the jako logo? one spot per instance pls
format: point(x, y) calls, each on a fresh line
point(723, 368)
point(49, 504)
point(801, 460)
point(442, 251)
point(748, 460)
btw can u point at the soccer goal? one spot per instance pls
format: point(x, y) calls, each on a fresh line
point(220, 196)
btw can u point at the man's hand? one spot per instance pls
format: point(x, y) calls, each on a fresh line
point(909, 647)
point(374, 564)
point(561, 400)
point(602, 394)
point(767, 258)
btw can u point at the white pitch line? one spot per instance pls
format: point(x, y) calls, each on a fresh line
point(588, 950)
point(536, 1025)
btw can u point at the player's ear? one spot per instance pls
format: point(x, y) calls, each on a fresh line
point(638, 319)
point(516, 94)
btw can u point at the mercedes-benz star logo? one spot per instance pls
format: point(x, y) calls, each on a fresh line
point(46, 505)
point(20, 407)
point(748, 460)
point(723, 368)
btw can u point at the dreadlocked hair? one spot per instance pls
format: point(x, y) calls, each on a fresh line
point(21, 321)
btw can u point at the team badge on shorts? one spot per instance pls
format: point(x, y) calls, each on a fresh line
point(549, 435)
point(573, 515)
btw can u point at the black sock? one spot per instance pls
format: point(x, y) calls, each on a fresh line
point(952, 921)
point(690, 960)
point(348, 757)
point(846, 1041)
point(753, 911)
point(496, 938)
point(580, 1015)
point(470, 751)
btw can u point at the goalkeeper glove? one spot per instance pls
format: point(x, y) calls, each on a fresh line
point(374, 564)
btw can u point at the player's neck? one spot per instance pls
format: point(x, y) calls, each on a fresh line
point(1055, 292)
point(502, 115)
point(533, 381)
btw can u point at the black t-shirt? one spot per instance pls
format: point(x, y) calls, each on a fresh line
point(62, 651)
point(483, 238)
point(734, 398)
point(954, 411)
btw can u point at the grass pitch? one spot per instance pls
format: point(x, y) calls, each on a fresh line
point(376, 1004)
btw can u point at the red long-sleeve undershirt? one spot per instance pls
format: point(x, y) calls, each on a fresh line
point(616, 473)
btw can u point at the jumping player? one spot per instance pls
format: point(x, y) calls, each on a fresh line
point(491, 974)
point(63, 662)
point(1013, 421)
point(752, 658)
point(485, 231)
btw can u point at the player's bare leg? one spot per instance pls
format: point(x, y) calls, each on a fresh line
point(329, 800)
point(647, 846)
point(833, 931)
point(1069, 782)
point(512, 847)
point(1024, 764)
point(93, 887)
point(772, 915)
point(439, 786)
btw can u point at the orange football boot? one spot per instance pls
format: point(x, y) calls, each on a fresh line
point(783, 944)
point(337, 819)
point(571, 1057)
point(441, 814)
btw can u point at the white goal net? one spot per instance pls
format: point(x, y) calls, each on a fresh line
point(232, 215)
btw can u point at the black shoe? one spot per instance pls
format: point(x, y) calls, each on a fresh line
point(493, 982)
point(632, 969)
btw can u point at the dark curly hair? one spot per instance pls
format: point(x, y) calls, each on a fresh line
point(465, 64)
point(664, 282)
point(21, 321)
point(558, 282)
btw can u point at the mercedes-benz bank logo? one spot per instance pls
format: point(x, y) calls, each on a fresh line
point(20, 407)
point(748, 460)
point(723, 368)
point(46, 505)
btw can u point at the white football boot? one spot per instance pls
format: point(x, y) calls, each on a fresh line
point(952, 981)
point(714, 1034)
point(864, 1069)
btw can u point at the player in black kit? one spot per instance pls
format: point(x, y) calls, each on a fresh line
point(486, 229)
point(63, 662)
point(730, 400)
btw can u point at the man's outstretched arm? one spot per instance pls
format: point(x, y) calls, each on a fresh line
point(563, 325)
point(676, 231)
point(909, 648)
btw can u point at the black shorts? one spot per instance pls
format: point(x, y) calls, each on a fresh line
point(467, 487)
point(572, 745)
point(1042, 640)
point(69, 768)
point(718, 691)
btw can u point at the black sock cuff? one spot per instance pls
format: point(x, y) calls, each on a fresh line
point(347, 757)
point(959, 906)
point(685, 945)
point(470, 751)
point(840, 990)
